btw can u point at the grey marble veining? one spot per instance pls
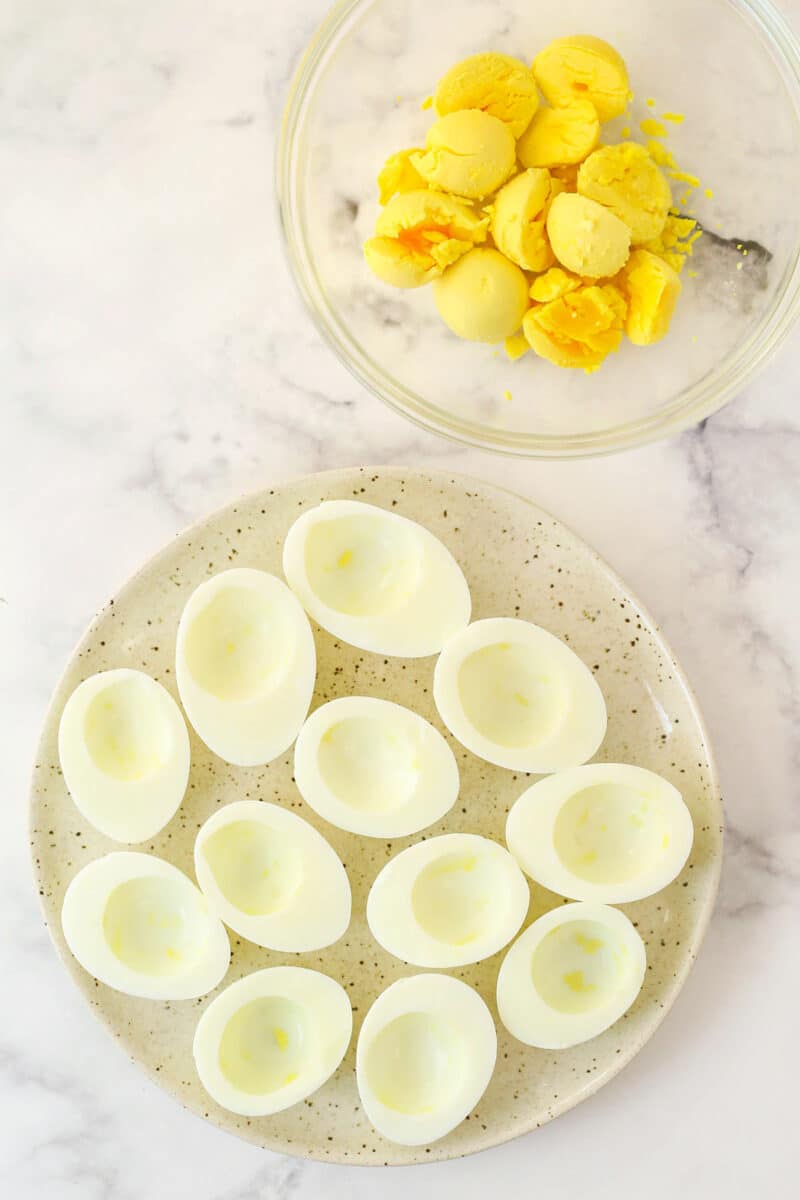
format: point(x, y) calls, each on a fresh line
point(156, 362)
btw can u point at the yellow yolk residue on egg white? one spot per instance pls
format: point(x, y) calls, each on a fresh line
point(468, 153)
point(497, 84)
point(419, 234)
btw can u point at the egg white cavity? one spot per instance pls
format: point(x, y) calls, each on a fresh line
point(518, 697)
point(375, 579)
point(271, 1039)
point(272, 877)
point(245, 665)
point(570, 976)
point(425, 1055)
point(448, 901)
point(124, 751)
point(374, 768)
point(606, 832)
point(139, 925)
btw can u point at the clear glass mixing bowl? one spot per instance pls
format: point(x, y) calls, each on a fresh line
point(731, 66)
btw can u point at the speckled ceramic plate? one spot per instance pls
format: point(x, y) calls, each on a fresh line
point(518, 561)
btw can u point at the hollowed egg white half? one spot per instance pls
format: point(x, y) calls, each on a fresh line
point(375, 579)
point(517, 696)
point(124, 751)
point(139, 925)
point(271, 1039)
point(272, 877)
point(374, 768)
point(425, 1055)
point(245, 665)
point(570, 976)
point(448, 901)
point(604, 832)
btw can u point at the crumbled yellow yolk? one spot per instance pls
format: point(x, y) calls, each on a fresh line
point(483, 297)
point(583, 67)
point(419, 234)
point(587, 238)
point(676, 241)
point(554, 283)
point(519, 217)
point(652, 289)
point(578, 329)
point(398, 175)
point(516, 346)
point(650, 127)
point(495, 83)
point(560, 136)
point(625, 179)
point(468, 153)
point(660, 154)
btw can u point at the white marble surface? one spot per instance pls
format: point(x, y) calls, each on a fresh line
point(155, 363)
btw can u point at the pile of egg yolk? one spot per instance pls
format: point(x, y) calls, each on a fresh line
point(534, 231)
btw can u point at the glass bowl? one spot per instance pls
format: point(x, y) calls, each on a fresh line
point(731, 66)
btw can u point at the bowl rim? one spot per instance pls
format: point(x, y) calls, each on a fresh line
point(693, 405)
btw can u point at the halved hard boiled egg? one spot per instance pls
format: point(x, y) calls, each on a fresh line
point(375, 579)
point(517, 696)
point(271, 1039)
point(448, 901)
point(604, 832)
point(374, 768)
point(272, 877)
point(425, 1055)
point(570, 976)
point(141, 926)
point(245, 665)
point(124, 751)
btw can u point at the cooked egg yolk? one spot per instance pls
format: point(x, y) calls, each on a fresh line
point(483, 297)
point(419, 234)
point(578, 329)
point(652, 288)
point(399, 175)
point(560, 136)
point(587, 238)
point(625, 180)
point(518, 220)
point(468, 153)
point(583, 67)
point(495, 83)
point(554, 283)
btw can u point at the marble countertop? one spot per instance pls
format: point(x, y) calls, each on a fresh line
point(156, 363)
